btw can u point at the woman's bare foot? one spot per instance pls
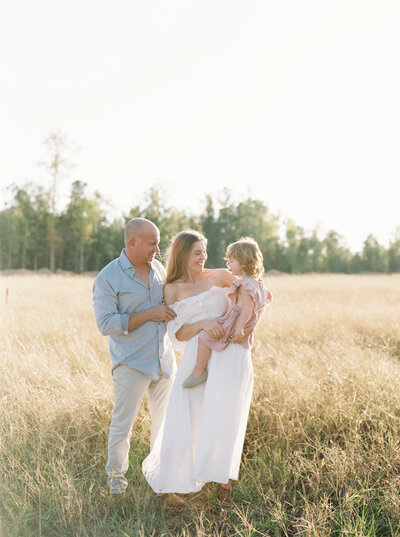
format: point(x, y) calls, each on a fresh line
point(225, 491)
point(227, 486)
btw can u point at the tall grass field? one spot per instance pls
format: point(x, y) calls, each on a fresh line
point(322, 450)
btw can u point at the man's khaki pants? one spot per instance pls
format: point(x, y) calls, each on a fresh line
point(130, 386)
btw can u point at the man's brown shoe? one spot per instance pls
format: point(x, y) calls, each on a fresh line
point(172, 499)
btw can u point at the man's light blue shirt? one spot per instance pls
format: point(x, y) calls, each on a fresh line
point(118, 292)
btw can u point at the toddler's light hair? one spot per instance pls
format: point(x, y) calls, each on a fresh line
point(247, 252)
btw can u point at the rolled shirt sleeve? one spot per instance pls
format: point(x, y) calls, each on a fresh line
point(105, 299)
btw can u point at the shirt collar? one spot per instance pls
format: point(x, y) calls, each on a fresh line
point(127, 265)
point(124, 261)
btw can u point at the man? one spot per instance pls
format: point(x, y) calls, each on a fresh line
point(127, 297)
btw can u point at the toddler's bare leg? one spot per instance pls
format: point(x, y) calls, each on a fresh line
point(203, 355)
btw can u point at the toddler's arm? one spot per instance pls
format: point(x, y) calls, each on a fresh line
point(246, 303)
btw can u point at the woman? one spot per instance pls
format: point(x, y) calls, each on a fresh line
point(202, 436)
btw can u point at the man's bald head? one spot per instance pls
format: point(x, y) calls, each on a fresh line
point(137, 227)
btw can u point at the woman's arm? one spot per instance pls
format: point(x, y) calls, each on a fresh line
point(187, 331)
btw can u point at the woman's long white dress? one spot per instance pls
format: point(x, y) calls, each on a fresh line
point(201, 438)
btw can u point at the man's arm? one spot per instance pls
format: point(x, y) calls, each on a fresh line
point(157, 313)
point(111, 322)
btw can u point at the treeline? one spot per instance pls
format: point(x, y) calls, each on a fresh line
point(82, 237)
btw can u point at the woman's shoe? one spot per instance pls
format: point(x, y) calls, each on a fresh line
point(192, 382)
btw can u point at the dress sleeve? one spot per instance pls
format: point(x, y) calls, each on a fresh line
point(172, 328)
point(261, 296)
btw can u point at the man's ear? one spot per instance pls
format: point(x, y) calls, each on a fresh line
point(131, 242)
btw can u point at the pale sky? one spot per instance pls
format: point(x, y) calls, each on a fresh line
point(295, 102)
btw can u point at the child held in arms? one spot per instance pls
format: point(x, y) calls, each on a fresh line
point(247, 300)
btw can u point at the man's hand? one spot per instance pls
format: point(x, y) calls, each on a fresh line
point(162, 313)
point(158, 314)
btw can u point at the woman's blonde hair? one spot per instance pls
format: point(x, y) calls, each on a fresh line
point(247, 252)
point(178, 253)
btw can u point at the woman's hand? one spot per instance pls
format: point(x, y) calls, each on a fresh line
point(240, 336)
point(213, 329)
point(237, 337)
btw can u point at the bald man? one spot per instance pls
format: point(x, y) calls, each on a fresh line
point(127, 298)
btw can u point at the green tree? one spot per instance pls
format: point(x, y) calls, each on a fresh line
point(293, 237)
point(315, 251)
point(79, 222)
point(58, 166)
point(209, 226)
point(394, 252)
point(356, 263)
point(80, 237)
point(304, 255)
point(254, 220)
point(226, 226)
point(169, 221)
point(23, 227)
point(8, 238)
point(33, 215)
point(373, 255)
point(336, 255)
point(106, 244)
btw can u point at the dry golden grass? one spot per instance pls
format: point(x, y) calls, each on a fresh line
point(322, 452)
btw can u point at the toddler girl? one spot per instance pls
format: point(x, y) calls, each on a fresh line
point(248, 298)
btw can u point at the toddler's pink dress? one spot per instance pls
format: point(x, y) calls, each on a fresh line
point(261, 296)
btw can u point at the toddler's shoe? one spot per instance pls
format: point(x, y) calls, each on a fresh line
point(192, 382)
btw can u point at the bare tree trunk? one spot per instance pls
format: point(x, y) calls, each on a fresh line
point(58, 167)
point(82, 255)
point(52, 263)
point(23, 254)
point(9, 258)
point(53, 216)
